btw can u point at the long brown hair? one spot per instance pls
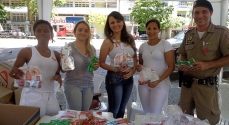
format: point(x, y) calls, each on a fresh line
point(89, 47)
point(125, 36)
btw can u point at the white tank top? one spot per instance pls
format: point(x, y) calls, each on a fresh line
point(118, 48)
point(48, 67)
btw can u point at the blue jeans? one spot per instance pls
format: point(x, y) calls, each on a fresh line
point(78, 98)
point(119, 92)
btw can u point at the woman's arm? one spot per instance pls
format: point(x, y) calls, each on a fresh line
point(104, 51)
point(23, 57)
point(57, 76)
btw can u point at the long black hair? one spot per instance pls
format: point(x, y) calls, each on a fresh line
point(125, 36)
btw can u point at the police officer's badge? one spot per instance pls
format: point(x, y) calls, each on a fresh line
point(189, 38)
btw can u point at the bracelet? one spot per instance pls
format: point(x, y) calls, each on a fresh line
point(116, 69)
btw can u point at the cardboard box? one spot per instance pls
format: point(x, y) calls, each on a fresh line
point(5, 79)
point(6, 95)
point(17, 95)
point(18, 115)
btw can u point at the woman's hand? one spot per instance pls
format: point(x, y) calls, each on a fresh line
point(139, 67)
point(58, 79)
point(153, 84)
point(128, 73)
point(16, 73)
point(96, 65)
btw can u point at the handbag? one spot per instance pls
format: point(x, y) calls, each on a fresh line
point(95, 104)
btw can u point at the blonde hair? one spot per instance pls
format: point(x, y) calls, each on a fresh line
point(89, 47)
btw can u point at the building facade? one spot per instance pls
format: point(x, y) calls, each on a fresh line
point(75, 10)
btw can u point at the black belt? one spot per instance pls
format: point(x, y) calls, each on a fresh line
point(208, 81)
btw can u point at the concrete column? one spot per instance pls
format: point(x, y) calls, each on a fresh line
point(224, 11)
point(223, 22)
point(45, 9)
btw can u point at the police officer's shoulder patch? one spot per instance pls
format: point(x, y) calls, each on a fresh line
point(227, 36)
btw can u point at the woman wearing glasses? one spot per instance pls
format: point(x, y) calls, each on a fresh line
point(119, 79)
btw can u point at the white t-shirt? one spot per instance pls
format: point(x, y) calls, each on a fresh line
point(156, 60)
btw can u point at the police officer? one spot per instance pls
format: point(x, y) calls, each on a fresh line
point(208, 44)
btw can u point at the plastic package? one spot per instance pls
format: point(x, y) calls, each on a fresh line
point(152, 119)
point(68, 114)
point(32, 78)
point(177, 117)
point(91, 64)
point(147, 74)
point(123, 59)
point(67, 61)
point(186, 63)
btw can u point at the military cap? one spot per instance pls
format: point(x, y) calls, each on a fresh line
point(203, 3)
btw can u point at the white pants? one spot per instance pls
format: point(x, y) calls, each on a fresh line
point(46, 101)
point(153, 99)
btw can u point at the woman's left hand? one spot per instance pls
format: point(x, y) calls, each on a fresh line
point(127, 74)
point(153, 84)
point(96, 65)
point(58, 79)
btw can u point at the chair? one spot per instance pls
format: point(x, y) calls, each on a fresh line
point(98, 80)
point(136, 106)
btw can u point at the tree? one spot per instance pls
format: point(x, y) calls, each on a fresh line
point(97, 18)
point(3, 13)
point(144, 10)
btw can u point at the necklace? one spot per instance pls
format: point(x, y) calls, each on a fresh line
point(149, 49)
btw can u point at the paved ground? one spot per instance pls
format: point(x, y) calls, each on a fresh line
point(10, 47)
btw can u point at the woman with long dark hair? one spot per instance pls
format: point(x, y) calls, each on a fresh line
point(119, 79)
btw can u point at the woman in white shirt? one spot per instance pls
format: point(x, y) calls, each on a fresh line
point(158, 55)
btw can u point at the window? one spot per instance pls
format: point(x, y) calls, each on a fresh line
point(19, 17)
point(82, 4)
point(181, 14)
point(126, 18)
point(183, 4)
point(68, 4)
point(166, 3)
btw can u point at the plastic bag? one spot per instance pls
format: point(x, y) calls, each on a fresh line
point(147, 74)
point(123, 59)
point(152, 119)
point(67, 114)
point(177, 117)
point(32, 78)
point(67, 61)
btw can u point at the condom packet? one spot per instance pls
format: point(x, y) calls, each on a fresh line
point(32, 78)
point(91, 64)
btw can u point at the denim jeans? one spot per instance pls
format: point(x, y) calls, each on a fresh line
point(118, 93)
point(78, 98)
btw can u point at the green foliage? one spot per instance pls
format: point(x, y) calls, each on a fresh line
point(175, 22)
point(144, 10)
point(3, 13)
point(33, 7)
point(97, 18)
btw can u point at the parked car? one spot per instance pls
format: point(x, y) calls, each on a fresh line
point(143, 37)
point(176, 42)
point(96, 36)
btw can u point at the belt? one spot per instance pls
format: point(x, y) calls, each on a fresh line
point(210, 81)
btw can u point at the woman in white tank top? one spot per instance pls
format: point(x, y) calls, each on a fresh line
point(158, 55)
point(48, 62)
point(119, 83)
